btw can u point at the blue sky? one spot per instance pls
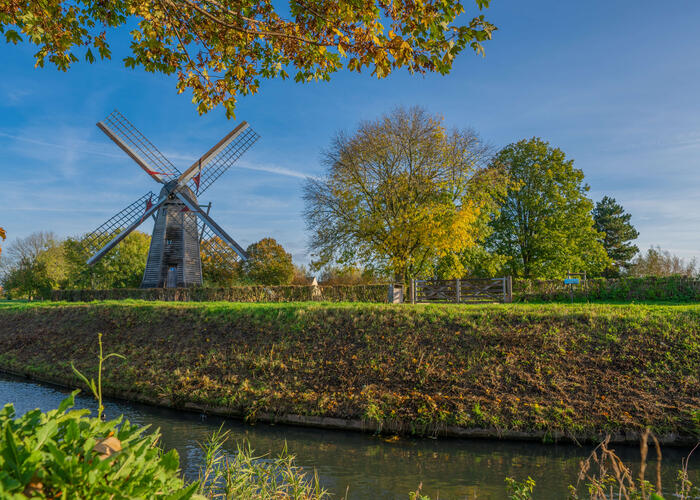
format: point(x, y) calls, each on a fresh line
point(613, 84)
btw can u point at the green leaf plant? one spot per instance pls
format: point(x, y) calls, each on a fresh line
point(96, 388)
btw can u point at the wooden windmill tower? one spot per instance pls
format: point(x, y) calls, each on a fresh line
point(181, 223)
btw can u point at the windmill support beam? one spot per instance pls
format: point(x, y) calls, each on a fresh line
point(194, 207)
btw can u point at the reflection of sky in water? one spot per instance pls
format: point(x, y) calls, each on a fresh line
point(370, 466)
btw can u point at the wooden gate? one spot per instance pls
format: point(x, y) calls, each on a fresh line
point(462, 291)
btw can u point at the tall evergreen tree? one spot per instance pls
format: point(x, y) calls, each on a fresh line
point(614, 223)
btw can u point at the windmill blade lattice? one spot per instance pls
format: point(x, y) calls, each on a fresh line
point(184, 238)
point(215, 249)
point(94, 241)
point(224, 160)
point(127, 133)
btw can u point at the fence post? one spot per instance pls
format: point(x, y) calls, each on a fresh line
point(509, 289)
point(458, 287)
point(396, 294)
point(413, 291)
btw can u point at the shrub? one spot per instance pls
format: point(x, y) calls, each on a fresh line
point(65, 452)
point(268, 263)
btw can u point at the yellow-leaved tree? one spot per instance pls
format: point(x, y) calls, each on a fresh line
point(219, 266)
point(401, 193)
point(2, 235)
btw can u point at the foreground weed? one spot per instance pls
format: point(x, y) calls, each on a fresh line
point(606, 475)
point(65, 453)
point(417, 495)
point(244, 476)
point(96, 388)
point(520, 491)
point(685, 489)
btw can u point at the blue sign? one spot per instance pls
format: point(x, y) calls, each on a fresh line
point(571, 281)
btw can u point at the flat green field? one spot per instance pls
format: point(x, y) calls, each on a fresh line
point(553, 370)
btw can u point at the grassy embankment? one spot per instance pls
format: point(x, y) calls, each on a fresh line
point(545, 371)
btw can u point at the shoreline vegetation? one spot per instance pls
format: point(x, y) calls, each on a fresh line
point(548, 372)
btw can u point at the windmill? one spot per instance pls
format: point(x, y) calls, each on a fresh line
point(181, 224)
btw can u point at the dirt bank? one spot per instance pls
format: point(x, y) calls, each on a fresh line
point(539, 371)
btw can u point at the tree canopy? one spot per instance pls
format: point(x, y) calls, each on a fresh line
point(2, 237)
point(617, 230)
point(399, 193)
point(545, 226)
point(268, 263)
point(217, 269)
point(121, 267)
point(41, 262)
point(33, 265)
point(219, 49)
point(658, 262)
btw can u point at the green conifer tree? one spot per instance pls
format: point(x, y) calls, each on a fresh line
point(612, 221)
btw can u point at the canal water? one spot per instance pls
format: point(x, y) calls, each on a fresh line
point(365, 466)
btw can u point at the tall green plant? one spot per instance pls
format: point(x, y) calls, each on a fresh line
point(96, 388)
point(244, 476)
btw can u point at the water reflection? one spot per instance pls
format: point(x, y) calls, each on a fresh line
point(370, 466)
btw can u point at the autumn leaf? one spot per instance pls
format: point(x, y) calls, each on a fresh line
point(222, 49)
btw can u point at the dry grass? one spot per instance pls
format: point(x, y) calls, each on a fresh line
point(607, 477)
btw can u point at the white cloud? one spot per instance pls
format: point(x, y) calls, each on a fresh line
point(72, 144)
point(16, 96)
point(273, 169)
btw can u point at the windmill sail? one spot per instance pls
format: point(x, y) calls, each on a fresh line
point(214, 251)
point(140, 149)
point(184, 237)
point(97, 239)
point(205, 171)
point(209, 222)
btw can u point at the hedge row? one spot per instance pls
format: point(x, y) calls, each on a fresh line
point(259, 293)
point(674, 288)
point(624, 289)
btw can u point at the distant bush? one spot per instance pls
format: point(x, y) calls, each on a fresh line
point(268, 263)
point(349, 275)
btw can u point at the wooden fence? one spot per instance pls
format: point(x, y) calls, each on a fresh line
point(462, 291)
